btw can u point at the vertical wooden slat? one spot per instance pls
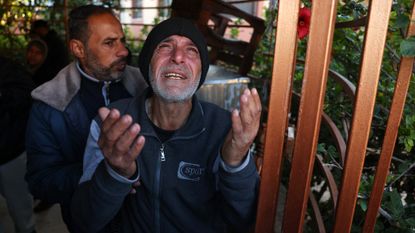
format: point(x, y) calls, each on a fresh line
point(397, 106)
point(311, 106)
point(376, 30)
point(282, 73)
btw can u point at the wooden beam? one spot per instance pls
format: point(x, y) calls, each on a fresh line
point(323, 17)
point(397, 107)
point(282, 75)
point(375, 37)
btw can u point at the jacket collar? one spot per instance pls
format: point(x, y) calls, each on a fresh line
point(193, 126)
point(59, 91)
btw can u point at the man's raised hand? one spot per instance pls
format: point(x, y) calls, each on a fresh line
point(119, 141)
point(245, 125)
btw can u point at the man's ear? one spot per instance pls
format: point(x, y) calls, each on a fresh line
point(77, 48)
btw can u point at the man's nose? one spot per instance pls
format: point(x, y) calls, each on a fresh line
point(122, 51)
point(178, 55)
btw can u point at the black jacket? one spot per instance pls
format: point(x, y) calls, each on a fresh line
point(183, 188)
point(15, 101)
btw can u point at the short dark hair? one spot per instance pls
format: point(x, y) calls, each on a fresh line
point(40, 23)
point(78, 20)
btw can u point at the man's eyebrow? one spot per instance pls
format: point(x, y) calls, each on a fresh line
point(168, 39)
point(114, 38)
point(110, 38)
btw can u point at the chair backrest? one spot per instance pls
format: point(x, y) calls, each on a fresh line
point(311, 116)
point(214, 18)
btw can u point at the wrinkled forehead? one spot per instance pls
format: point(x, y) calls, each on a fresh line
point(177, 41)
point(178, 38)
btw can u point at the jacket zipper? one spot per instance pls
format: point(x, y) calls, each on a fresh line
point(157, 190)
point(157, 182)
point(162, 155)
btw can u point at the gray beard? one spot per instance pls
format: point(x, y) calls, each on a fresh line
point(163, 94)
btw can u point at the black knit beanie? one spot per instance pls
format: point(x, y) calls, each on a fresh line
point(173, 26)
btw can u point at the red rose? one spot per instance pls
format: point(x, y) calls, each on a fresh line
point(303, 22)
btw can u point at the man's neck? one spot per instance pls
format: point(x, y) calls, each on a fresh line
point(167, 115)
point(83, 73)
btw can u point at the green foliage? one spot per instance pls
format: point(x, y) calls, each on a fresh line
point(397, 213)
point(401, 218)
point(407, 47)
point(15, 20)
point(75, 3)
point(398, 205)
point(234, 30)
point(135, 44)
point(11, 45)
point(262, 66)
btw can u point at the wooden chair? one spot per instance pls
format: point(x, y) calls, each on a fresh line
point(214, 17)
point(311, 116)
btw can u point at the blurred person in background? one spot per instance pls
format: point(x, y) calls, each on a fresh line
point(36, 53)
point(15, 101)
point(57, 56)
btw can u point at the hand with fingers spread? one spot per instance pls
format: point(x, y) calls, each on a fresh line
point(119, 141)
point(245, 125)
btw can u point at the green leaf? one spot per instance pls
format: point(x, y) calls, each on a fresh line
point(397, 208)
point(407, 47)
point(403, 166)
point(402, 21)
point(363, 205)
point(409, 143)
point(320, 148)
point(410, 221)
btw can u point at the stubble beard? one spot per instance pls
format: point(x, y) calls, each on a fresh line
point(101, 72)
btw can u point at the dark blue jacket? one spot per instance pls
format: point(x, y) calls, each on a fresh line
point(56, 135)
point(183, 187)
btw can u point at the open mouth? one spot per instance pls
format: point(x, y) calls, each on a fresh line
point(174, 76)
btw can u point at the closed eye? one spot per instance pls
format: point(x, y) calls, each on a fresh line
point(192, 51)
point(164, 48)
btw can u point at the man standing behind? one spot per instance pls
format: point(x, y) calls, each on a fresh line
point(57, 56)
point(191, 157)
point(64, 107)
point(15, 101)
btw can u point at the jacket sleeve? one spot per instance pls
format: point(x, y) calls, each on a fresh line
point(101, 192)
point(97, 201)
point(240, 192)
point(52, 175)
point(93, 156)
